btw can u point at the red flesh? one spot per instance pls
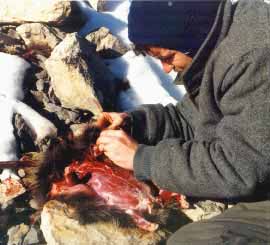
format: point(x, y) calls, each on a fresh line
point(115, 186)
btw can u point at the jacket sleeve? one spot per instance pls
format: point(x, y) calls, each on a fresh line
point(236, 162)
point(153, 123)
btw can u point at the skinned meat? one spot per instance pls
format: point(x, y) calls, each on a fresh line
point(112, 186)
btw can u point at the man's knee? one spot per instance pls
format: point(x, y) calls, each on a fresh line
point(197, 233)
point(243, 224)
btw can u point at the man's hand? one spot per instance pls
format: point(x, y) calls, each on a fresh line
point(118, 146)
point(111, 120)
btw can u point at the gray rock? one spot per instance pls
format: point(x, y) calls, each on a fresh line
point(63, 114)
point(106, 42)
point(50, 11)
point(26, 137)
point(79, 77)
point(40, 96)
point(10, 44)
point(205, 210)
point(40, 84)
point(31, 237)
point(42, 75)
point(40, 36)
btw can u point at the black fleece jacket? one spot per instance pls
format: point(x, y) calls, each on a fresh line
point(215, 143)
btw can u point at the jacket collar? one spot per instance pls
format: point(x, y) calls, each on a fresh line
point(192, 76)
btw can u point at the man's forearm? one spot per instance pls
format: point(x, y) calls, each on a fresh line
point(153, 123)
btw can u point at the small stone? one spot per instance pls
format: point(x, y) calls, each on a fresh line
point(42, 75)
point(31, 237)
point(40, 85)
point(17, 233)
point(110, 45)
point(34, 204)
point(21, 173)
point(12, 33)
point(40, 96)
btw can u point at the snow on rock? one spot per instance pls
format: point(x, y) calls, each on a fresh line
point(115, 21)
point(13, 70)
point(12, 87)
point(8, 141)
point(148, 83)
point(41, 126)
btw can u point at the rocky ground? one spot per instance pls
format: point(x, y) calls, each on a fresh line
point(68, 83)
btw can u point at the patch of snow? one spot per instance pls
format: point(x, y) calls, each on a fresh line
point(115, 21)
point(148, 83)
point(8, 141)
point(7, 173)
point(12, 70)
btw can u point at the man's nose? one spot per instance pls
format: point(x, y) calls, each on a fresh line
point(167, 68)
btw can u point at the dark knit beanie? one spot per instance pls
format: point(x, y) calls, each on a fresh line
point(179, 25)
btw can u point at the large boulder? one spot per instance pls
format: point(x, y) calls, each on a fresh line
point(79, 77)
point(49, 11)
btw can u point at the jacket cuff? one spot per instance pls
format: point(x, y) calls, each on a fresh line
point(137, 122)
point(142, 162)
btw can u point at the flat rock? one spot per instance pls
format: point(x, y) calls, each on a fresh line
point(50, 11)
point(79, 78)
point(59, 228)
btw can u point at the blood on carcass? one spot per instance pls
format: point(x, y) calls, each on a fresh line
point(114, 186)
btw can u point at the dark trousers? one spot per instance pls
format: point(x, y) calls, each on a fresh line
point(244, 224)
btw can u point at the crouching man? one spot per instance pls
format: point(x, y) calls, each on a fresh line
point(215, 143)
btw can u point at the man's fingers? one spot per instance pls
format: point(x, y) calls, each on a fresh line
point(104, 140)
point(112, 133)
point(101, 148)
point(116, 124)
